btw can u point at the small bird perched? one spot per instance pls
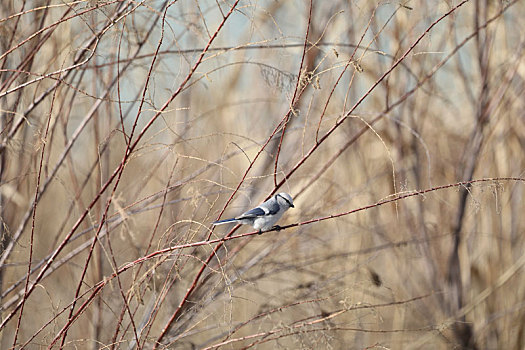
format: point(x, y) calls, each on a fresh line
point(264, 216)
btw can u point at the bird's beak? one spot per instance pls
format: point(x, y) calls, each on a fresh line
point(291, 206)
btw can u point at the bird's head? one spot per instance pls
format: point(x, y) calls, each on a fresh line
point(284, 199)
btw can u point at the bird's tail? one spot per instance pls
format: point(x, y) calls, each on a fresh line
point(221, 222)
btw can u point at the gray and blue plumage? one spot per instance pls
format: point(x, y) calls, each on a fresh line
point(263, 217)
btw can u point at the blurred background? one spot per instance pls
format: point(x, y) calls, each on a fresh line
point(127, 127)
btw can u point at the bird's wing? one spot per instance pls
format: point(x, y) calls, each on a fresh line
point(272, 206)
point(253, 213)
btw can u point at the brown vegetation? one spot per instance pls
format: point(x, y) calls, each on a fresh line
point(128, 127)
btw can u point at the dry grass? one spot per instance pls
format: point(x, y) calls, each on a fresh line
point(128, 127)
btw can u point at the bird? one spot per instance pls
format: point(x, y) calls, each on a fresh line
point(264, 216)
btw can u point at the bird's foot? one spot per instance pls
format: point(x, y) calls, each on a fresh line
point(276, 228)
point(260, 232)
